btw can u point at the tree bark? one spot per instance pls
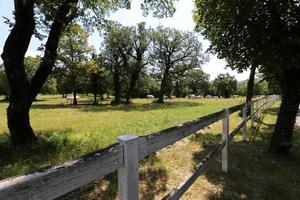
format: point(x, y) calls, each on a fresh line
point(250, 84)
point(133, 80)
point(281, 140)
point(117, 88)
point(95, 87)
point(74, 91)
point(163, 86)
point(13, 55)
point(23, 92)
point(250, 87)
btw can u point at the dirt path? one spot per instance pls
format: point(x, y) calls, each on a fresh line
point(298, 118)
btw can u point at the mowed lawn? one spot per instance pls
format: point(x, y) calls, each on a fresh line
point(67, 131)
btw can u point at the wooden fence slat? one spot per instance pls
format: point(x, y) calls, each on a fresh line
point(154, 142)
point(54, 182)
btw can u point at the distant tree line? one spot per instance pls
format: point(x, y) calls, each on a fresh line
point(133, 62)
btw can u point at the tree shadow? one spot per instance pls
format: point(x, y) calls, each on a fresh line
point(125, 108)
point(53, 146)
point(271, 111)
point(253, 172)
point(153, 181)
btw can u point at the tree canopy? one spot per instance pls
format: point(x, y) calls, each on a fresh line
point(266, 33)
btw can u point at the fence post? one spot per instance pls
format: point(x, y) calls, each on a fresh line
point(128, 175)
point(252, 113)
point(225, 138)
point(245, 121)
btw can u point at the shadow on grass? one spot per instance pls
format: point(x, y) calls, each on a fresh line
point(153, 181)
point(52, 147)
point(126, 108)
point(253, 172)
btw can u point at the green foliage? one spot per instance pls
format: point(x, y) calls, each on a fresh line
point(225, 85)
point(31, 66)
point(174, 53)
point(74, 54)
point(260, 32)
point(4, 87)
point(198, 82)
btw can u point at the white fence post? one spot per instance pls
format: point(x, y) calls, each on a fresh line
point(252, 114)
point(245, 122)
point(128, 175)
point(225, 138)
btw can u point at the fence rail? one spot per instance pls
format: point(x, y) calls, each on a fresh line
point(123, 157)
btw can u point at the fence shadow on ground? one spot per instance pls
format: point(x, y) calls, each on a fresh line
point(153, 181)
point(253, 172)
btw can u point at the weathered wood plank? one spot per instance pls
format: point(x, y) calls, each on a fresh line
point(233, 109)
point(56, 181)
point(154, 142)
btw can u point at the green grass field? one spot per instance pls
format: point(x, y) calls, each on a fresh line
point(67, 131)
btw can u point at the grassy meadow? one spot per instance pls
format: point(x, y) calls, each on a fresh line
point(67, 131)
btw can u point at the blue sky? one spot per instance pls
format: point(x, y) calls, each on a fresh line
point(181, 20)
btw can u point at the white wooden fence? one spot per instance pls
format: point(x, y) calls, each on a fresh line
point(124, 157)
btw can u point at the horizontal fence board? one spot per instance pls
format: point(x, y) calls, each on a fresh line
point(154, 142)
point(235, 108)
point(54, 182)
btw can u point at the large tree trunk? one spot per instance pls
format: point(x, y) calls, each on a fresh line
point(163, 86)
point(281, 140)
point(19, 123)
point(250, 84)
point(250, 87)
point(22, 93)
point(117, 88)
point(133, 80)
point(13, 55)
point(177, 93)
point(95, 88)
point(74, 91)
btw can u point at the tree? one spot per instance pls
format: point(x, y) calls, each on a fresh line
point(31, 66)
point(23, 91)
point(140, 45)
point(4, 88)
point(225, 85)
point(118, 47)
point(74, 52)
point(198, 82)
point(98, 77)
point(173, 52)
point(63, 86)
point(53, 16)
point(268, 31)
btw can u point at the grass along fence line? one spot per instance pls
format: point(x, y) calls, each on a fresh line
point(113, 157)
